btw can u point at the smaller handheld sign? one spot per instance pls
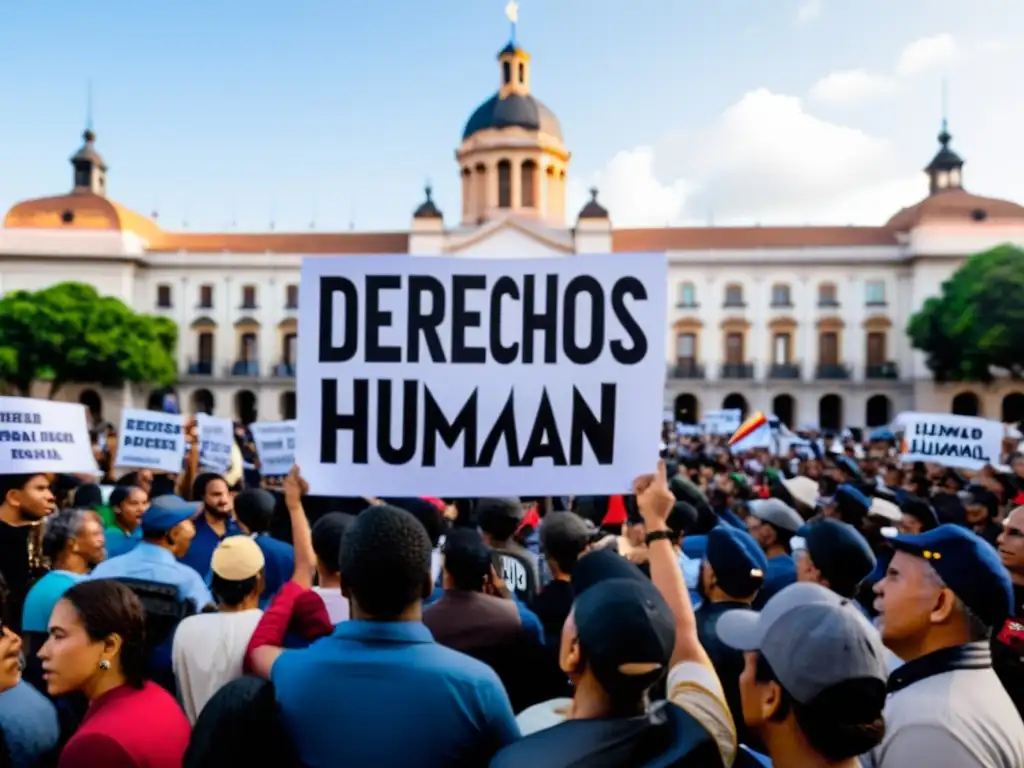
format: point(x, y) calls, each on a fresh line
point(216, 441)
point(723, 422)
point(275, 443)
point(960, 442)
point(151, 440)
point(42, 436)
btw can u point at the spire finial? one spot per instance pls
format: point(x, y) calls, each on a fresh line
point(428, 189)
point(593, 194)
point(512, 13)
point(88, 107)
point(944, 136)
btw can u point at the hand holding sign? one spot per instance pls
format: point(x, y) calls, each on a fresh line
point(654, 498)
point(294, 488)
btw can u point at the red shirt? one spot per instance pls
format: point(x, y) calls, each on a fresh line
point(130, 728)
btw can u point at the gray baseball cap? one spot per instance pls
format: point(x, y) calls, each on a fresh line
point(812, 638)
point(776, 512)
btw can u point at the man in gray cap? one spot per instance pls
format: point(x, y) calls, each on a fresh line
point(773, 523)
point(813, 683)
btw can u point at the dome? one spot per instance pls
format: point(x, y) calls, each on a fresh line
point(954, 205)
point(515, 110)
point(79, 210)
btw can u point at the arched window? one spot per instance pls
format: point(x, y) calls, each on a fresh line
point(736, 400)
point(686, 409)
point(528, 184)
point(504, 184)
point(202, 401)
point(245, 406)
point(784, 408)
point(1013, 408)
point(966, 404)
point(879, 411)
point(830, 413)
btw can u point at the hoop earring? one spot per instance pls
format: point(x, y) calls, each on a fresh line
point(104, 664)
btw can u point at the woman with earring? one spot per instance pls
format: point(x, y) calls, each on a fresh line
point(95, 646)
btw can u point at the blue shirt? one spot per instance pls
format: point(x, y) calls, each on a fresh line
point(200, 551)
point(385, 694)
point(780, 574)
point(691, 575)
point(279, 557)
point(118, 542)
point(28, 721)
point(149, 562)
point(39, 602)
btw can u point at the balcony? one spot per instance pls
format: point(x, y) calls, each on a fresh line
point(737, 371)
point(249, 368)
point(832, 372)
point(786, 371)
point(882, 372)
point(200, 368)
point(284, 371)
point(686, 369)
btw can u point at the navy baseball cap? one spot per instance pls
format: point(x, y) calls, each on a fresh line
point(813, 639)
point(851, 502)
point(968, 565)
point(602, 565)
point(849, 466)
point(167, 511)
point(737, 560)
point(840, 552)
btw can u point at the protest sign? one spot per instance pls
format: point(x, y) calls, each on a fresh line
point(151, 440)
point(43, 436)
point(960, 442)
point(216, 441)
point(275, 444)
point(723, 422)
point(457, 377)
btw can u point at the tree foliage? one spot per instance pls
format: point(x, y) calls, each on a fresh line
point(976, 325)
point(69, 333)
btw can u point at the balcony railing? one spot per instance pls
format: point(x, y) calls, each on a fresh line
point(200, 368)
point(244, 368)
point(784, 371)
point(832, 372)
point(882, 371)
point(737, 371)
point(284, 370)
point(686, 369)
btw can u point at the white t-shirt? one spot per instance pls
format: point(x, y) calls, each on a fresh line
point(335, 602)
point(208, 652)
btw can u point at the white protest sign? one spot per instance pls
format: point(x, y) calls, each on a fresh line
point(151, 440)
point(458, 377)
point(43, 436)
point(723, 422)
point(960, 442)
point(216, 441)
point(275, 444)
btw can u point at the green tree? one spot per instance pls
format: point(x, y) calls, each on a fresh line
point(69, 333)
point(976, 325)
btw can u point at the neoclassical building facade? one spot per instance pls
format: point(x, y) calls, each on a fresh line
point(804, 322)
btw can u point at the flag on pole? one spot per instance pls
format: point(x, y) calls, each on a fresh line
point(749, 426)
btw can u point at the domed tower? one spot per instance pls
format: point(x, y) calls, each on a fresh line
point(512, 157)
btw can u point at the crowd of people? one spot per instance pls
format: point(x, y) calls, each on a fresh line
point(834, 608)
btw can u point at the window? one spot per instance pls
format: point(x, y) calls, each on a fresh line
point(83, 176)
point(780, 295)
point(206, 297)
point(163, 296)
point(205, 347)
point(734, 295)
point(504, 184)
point(828, 348)
point(522, 72)
point(506, 71)
point(782, 347)
point(686, 347)
point(248, 297)
point(687, 295)
point(290, 348)
point(248, 348)
point(734, 348)
point(827, 295)
point(874, 292)
point(876, 348)
point(291, 297)
point(528, 183)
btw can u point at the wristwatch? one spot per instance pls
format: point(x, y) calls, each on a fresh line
point(657, 536)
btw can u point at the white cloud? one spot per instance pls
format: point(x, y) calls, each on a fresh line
point(809, 11)
point(851, 87)
point(929, 54)
point(766, 160)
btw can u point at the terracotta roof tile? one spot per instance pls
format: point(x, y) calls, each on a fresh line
point(730, 238)
point(283, 242)
point(954, 205)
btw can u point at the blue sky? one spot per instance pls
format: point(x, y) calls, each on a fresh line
point(681, 111)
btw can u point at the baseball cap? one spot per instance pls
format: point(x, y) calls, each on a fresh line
point(237, 558)
point(839, 551)
point(626, 632)
point(776, 512)
point(803, 489)
point(602, 565)
point(968, 565)
point(167, 511)
point(737, 560)
point(812, 638)
point(885, 509)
